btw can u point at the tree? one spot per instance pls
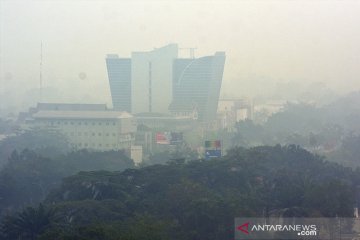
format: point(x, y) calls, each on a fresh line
point(29, 223)
point(47, 142)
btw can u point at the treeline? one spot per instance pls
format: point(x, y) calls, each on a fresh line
point(332, 130)
point(27, 177)
point(189, 200)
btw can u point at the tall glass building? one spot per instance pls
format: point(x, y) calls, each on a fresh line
point(119, 73)
point(196, 85)
point(158, 81)
point(151, 74)
point(142, 83)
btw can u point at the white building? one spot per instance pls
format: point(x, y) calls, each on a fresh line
point(136, 154)
point(151, 74)
point(231, 111)
point(97, 130)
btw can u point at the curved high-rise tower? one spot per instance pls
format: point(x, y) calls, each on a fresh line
point(196, 85)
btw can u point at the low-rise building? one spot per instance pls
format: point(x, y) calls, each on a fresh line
point(165, 122)
point(231, 111)
point(96, 129)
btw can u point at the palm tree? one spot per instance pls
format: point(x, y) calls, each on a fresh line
point(28, 224)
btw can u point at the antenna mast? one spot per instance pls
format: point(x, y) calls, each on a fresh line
point(41, 83)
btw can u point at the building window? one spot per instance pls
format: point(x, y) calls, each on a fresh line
point(79, 123)
point(107, 134)
point(99, 134)
point(114, 123)
point(72, 123)
point(85, 133)
point(99, 123)
point(93, 134)
point(79, 133)
point(100, 145)
point(107, 123)
point(114, 134)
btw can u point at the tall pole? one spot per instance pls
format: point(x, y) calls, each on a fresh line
point(150, 97)
point(41, 84)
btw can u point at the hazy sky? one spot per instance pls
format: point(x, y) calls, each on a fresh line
point(265, 41)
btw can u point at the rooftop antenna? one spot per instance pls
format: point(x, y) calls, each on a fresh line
point(150, 86)
point(41, 83)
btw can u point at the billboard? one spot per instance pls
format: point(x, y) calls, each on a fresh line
point(213, 144)
point(212, 149)
point(169, 138)
point(162, 138)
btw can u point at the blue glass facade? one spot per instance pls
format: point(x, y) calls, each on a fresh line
point(196, 85)
point(119, 74)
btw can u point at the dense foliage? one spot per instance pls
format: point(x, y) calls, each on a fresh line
point(27, 177)
point(195, 200)
point(331, 130)
point(47, 142)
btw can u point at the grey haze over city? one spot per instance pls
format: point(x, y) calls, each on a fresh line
point(271, 46)
point(179, 119)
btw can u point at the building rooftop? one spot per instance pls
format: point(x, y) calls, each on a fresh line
point(159, 116)
point(70, 107)
point(184, 105)
point(81, 115)
point(112, 56)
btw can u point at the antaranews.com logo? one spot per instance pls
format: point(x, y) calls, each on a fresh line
point(301, 230)
point(292, 228)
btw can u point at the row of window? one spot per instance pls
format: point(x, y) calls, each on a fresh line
point(107, 123)
point(91, 134)
point(95, 145)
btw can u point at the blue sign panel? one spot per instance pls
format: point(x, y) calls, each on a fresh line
point(212, 154)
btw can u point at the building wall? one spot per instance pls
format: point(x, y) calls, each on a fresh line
point(136, 154)
point(167, 124)
point(231, 111)
point(119, 74)
point(197, 82)
point(69, 107)
point(96, 134)
point(159, 63)
point(145, 139)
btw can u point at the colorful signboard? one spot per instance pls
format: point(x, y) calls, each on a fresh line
point(213, 144)
point(212, 149)
point(169, 138)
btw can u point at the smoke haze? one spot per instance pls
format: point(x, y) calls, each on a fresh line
point(266, 43)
